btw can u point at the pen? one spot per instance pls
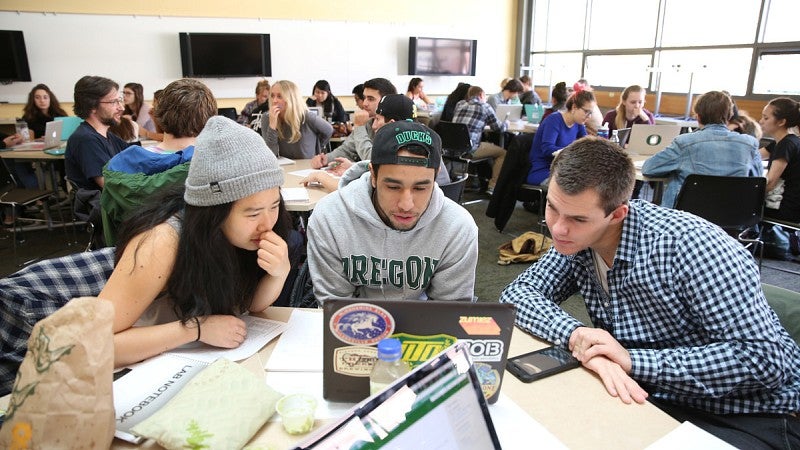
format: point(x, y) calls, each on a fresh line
point(334, 164)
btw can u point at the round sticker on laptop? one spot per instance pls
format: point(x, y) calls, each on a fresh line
point(362, 324)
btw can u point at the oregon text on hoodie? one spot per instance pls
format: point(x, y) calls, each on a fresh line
point(353, 253)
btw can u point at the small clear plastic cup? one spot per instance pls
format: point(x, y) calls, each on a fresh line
point(297, 412)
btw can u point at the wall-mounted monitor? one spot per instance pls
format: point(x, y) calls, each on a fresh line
point(441, 56)
point(15, 57)
point(220, 55)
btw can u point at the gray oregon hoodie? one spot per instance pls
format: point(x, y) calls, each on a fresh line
point(353, 253)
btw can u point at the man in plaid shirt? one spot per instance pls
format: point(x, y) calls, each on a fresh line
point(477, 114)
point(677, 305)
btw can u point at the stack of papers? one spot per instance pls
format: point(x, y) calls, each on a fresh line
point(295, 195)
point(284, 161)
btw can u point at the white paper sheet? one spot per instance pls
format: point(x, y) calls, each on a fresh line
point(302, 173)
point(300, 347)
point(259, 333)
point(284, 161)
point(295, 195)
point(689, 437)
point(509, 419)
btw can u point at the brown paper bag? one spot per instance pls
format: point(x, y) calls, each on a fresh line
point(62, 396)
point(527, 247)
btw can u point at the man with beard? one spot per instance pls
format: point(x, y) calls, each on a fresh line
point(392, 233)
point(99, 104)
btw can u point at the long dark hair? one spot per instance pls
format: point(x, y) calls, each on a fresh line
point(210, 276)
point(138, 100)
point(458, 94)
point(31, 113)
point(327, 105)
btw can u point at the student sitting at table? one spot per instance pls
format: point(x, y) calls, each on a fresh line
point(193, 261)
point(711, 150)
point(558, 98)
point(332, 108)
point(630, 110)
point(556, 132)
point(289, 129)
point(42, 107)
point(392, 233)
point(251, 113)
point(679, 313)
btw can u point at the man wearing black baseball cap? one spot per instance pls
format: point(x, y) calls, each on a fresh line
point(392, 233)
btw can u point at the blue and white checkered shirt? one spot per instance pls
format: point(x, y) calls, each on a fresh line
point(476, 115)
point(686, 301)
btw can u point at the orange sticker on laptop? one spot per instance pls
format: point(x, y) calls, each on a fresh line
point(479, 325)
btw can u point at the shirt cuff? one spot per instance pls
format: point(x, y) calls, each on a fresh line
point(644, 365)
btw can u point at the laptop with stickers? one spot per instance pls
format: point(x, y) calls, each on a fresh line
point(440, 404)
point(353, 328)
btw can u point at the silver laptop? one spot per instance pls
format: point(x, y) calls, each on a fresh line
point(651, 139)
point(317, 110)
point(440, 405)
point(51, 138)
point(509, 112)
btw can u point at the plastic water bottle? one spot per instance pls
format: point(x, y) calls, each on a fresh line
point(615, 137)
point(21, 128)
point(602, 132)
point(388, 367)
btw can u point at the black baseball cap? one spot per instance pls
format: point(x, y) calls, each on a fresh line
point(408, 135)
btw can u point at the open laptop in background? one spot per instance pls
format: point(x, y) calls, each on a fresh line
point(317, 110)
point(514, 112)
point(438, 405)
point(353, 328)
point(650, 139)
point(623, 134)
point(51, 138)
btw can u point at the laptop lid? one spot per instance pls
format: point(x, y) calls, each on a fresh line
point(71, 124)
point(623, 134)
point(52, 134)
point(514, 112)
point(353, 328)
point(651, 139)
point(438, 405)
point(317, 110)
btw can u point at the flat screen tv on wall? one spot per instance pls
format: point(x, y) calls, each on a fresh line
point(15, 57)
point(220, 55)
point(441, 56)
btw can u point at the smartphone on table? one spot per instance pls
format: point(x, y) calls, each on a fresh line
point(541, 363)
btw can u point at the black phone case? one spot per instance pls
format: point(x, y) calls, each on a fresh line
point(526, 377)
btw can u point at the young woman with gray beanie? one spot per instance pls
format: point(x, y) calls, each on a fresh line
point(201, 255)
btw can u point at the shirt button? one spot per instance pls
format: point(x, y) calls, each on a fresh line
point(557, 342)
point(606, 304)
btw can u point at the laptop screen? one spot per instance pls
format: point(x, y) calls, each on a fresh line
point(438, 405)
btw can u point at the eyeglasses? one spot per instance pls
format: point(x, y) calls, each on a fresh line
point(588, 112)
point(118, 101)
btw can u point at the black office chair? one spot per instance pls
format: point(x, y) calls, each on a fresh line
point(457, 147)
point(15, 198)
point(230, 113)
point(455, 189)
point(735, 204)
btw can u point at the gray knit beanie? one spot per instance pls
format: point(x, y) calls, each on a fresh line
point(230, 162)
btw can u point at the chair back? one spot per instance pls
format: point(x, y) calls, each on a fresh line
point(455, 189)
point(455, 138)
point(230, 113)
point(7, 182)
point(729, 202)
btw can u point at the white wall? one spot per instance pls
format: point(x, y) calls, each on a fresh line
point(64, 47)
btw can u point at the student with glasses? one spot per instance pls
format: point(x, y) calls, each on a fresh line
point(137, 110)
point(557, 131)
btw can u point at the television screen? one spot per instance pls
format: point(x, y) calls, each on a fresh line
point(439, 56)
point(15, 57)
point(225, 55)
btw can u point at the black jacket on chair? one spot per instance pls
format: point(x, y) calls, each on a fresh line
point(512, 175)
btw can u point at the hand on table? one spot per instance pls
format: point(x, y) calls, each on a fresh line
point(319, 161)
point(222, 331)
point(339, 166)
point(587, 343)
point(328, 182)
point(14, 139)
point(616, 381)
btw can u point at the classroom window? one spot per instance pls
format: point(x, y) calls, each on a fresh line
point(781, 21)
point(559, 25)
point(690, 23)
point(618, 70)
point(776, 74)
point(550, 68)
point(614, 25)
point(710, 69)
